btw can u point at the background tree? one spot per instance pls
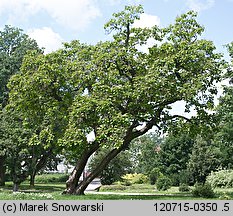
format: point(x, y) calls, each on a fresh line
point(118, 167)
point(225, 129)
point(14, 44)
point(174, 155)
point(205, 158)
point(224, 136)
point(144, 151)
point(111, 88)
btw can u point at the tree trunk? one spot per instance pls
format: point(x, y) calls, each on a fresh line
point(76, 188)
point(79, 190)
point(32, 179)
point(39, 165)
point(81, 187)
point(73, 181)
point(15, 187)
point(2, 170)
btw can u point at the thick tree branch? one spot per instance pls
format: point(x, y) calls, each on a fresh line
point(127, 35)
point(146, 128)
point(180, 116)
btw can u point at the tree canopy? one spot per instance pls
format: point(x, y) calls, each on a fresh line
point(14, 45)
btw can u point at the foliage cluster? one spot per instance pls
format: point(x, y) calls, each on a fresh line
point(206, 157)
point(163, 183)
point(135, 178)
point(184, 188)
point(221, 178)
point(51, 178)
point(154, 175)
point(203, 190)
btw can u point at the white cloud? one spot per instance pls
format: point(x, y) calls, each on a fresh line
point(200, 5)
point(147, 20)
point(145, 48)
point(75, 14)
point(46, 38)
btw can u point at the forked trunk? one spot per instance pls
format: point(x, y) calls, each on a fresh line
point(74, 187)
point(79, 189)
point(73, 181)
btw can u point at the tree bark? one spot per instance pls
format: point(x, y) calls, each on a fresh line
point(39, 165)
point(32, 179)
point(15, 187)
point(79, 190)
point(73, 181)
point(2, 170)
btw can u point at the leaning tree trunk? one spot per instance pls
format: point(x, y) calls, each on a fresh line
point(74, 187)
point(80, 188)
point(2, 170)
point(73, 181)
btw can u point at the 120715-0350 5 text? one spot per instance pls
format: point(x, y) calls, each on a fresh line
point(192, 206)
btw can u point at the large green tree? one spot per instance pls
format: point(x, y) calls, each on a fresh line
point(224, 113)
point(145, 152)
point(205, 157)
point(114, 90)
point(224, 136)
point(14, 44)
point(174, 155)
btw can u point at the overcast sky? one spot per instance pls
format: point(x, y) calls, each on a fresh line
point(52, 22)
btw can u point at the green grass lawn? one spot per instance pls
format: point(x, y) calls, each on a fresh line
point(137, 192)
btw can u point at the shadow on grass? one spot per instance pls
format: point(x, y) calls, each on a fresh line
point(55, 191)
point(39, 188)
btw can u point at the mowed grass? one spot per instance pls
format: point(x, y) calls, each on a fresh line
point(53, 191)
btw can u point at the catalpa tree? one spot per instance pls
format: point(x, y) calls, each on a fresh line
point(111, 88)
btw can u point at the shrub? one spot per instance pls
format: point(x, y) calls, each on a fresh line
point(184, 188)
point(154, 175)
point(163, 183)
point(185, 177)
point(222, 179)
point(136, 178)
point(203, 190)
point(51, 178)
point(113, 188)
point(140, 179)
point(225, 197)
